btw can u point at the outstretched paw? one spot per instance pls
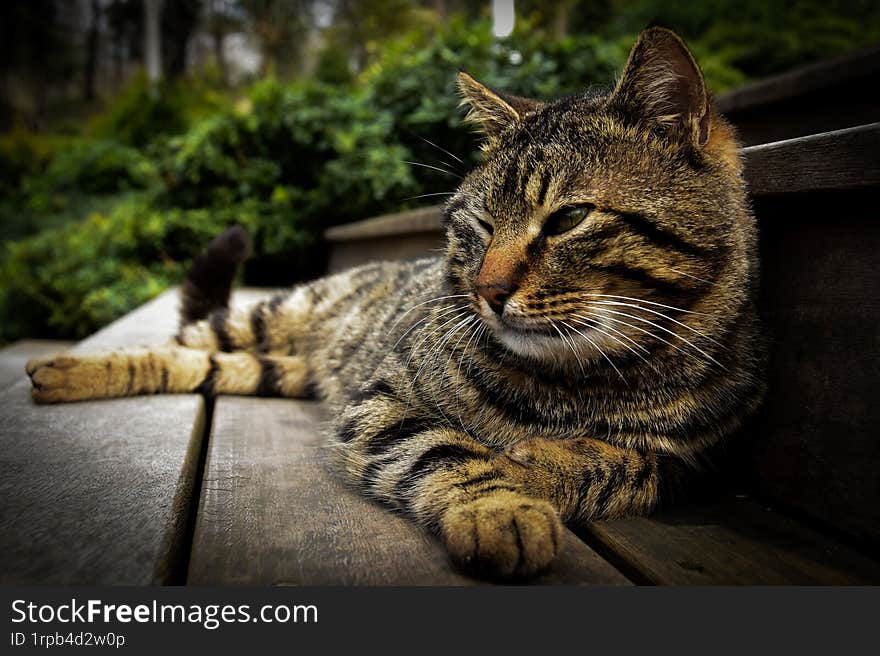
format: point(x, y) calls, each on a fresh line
point(61, 378)
point(504, 535)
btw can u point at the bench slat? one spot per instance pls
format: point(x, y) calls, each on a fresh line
point(271, 513)
point(831, 161)
point(735, 541)
point(99, 492)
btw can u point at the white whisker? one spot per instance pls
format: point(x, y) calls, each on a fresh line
point(614, 330)
point(660, 314)
point(440, 313)
point(429, 357)
point(438, 193)
point(458, 159)
point(596, 346)
point(666, 330)
point(436, 168)
point(641, 300)
point(418, 305)
point(569, 343)
point(619, 341)
point(682, 273)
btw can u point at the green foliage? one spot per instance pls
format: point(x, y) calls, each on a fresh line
point(140, 114)
point(414, 79)
point(49, 181)
point(24, 153)
point(94, 167)
point(326, 143)
point(285, 162)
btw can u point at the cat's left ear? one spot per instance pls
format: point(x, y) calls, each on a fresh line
point(663, 83)
point(492, 110)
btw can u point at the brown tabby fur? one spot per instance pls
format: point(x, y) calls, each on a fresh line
point(628, 344)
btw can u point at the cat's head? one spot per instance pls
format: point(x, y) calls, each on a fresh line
point(590, 212)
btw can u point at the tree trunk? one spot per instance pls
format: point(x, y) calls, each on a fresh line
point(152, 40)
point(91, 63)
point(562, 19)
point(218, 37)
point(179, 21)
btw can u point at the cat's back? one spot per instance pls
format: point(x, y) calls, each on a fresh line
point(360, 313)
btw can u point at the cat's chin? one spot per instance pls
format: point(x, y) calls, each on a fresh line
point(530, 344)
point(538, 345)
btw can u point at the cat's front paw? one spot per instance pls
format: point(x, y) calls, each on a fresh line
point(503, 535)
point(61, 378)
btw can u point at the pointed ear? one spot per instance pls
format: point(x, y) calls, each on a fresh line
point(492, 110)
point(663, 83)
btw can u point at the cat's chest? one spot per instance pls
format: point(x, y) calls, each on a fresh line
point(504, 407)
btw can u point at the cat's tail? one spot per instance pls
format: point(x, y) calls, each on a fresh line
point(209, 281)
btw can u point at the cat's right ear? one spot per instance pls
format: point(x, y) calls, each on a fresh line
point(491, 110)
point(664, 83)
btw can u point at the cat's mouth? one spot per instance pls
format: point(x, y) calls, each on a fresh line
point(511, 321)
point(539, 338)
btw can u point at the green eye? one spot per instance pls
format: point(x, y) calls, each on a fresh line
point(566, 219)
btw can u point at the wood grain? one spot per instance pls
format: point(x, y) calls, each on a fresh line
point(99, 492)
point(271, 513)
point(734, 542)
point(832, 161)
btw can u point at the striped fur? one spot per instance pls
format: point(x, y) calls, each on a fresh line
point(626, 347)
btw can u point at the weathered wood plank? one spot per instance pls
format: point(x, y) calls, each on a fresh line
point(816, 444)
point(423, 219)
point(832, 161)
point(405, 246)
point(99, 492)
point(14, 356)
point(730, 543)
point(271, 513)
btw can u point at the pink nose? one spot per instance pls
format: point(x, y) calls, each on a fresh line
point(496, 295)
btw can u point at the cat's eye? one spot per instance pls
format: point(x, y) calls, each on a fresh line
point(565, 219)
point(488, 227)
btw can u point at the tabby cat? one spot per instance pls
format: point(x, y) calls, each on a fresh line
point(588, 334)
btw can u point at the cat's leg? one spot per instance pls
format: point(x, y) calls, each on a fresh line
point(170, 369)
point(450, 483)
point(585, 479)
point(269, 326)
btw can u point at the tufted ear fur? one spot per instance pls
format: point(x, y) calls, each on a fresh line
point(492, 110)
point(663, 83)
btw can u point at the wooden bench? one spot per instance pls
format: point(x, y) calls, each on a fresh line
point(168, 490)
point(101, 491)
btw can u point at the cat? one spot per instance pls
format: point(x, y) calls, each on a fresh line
point(587, 336)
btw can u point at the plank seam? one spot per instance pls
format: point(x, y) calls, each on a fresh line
point(626, 566)
point(182, 574)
